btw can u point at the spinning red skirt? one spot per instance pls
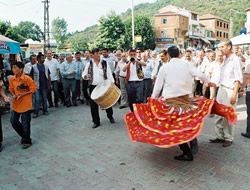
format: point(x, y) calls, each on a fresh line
point(166, 123)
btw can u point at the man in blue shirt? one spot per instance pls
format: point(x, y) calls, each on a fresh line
point(68, 72)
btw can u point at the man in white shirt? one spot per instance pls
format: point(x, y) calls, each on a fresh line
point(180, 86)
point(135, 80)
point(80, 68)
point(208, 71)
point(53, 65)
point(158, 64)
point(147, 70)
point(96, 71)
point(32, 70)
point(121, 77)
point(85, 83)
point(246, 83)
point(110, 59)
point(229, 80)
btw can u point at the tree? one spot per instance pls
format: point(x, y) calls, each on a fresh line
point(28, 30)
point(144, 28)
point(111, 32)
point(78, 42)
point(59, 30)
point(7, 30)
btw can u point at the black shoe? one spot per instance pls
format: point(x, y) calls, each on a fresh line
point(35, 116)
point(26, 145)
point(82, 101)
point(227, 143)
point(121, 107)
point(68, 105)
point(184, 157)
point(56, 105)
point(247, 135)
point(75, 104)
point(96, 125)
point(50, 106)
point(1, 147)
point(111, 120)
point(216, 140)
point(45, 113)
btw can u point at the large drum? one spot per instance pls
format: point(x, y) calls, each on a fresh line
point(106, 94)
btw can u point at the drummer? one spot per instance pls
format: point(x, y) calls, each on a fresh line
point(96, 71)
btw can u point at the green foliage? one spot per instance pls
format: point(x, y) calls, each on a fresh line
point(59, 30)
point(111, 32)
point(219, 8)
point(21, 32)
point(28, 30)
point(143, 28)
point(78, 42)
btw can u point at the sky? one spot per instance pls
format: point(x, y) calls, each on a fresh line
point(79, 14)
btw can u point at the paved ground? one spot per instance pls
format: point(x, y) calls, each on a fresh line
point(69, 154)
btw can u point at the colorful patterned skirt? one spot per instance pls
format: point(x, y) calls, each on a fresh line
point(167, 123)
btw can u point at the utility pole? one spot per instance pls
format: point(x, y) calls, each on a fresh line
point(46, 25)
point(133, 26)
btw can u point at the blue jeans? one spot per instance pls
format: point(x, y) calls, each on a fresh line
point(36, 101)
point(43, 99)
point(22, 128)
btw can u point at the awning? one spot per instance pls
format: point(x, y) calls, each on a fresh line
point(194, 37)
point(205, 40)
point(8, 45)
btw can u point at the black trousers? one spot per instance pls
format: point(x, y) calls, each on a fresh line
point(248, 112)
point(185, 149)
point(56, 93)
point(78, 89)
point(199, 88)
point(61, 92)
point(1, 130)
point(135, 93)
point(94, 108)
point(85, 86)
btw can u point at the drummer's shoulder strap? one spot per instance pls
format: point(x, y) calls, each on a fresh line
point(90, 71)
point(104, 66)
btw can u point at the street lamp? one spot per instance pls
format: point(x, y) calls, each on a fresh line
point(133, 26)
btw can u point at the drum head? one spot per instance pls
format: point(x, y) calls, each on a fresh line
point(100, 89)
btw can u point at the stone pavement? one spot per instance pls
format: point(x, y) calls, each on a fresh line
point(68, 154)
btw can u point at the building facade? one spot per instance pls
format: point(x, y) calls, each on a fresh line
point(170, 28)
point(188, 29)
point(218, 26)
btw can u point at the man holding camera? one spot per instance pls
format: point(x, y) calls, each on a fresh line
point(134, 78)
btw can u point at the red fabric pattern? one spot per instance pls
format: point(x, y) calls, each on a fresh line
point(167, 124)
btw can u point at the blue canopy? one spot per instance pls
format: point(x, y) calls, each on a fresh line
point(9, 46)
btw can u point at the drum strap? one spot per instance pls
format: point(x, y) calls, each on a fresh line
point(104, 66)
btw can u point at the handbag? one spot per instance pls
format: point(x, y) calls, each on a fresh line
point(139, 71)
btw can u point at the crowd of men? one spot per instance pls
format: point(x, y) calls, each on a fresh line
point(69, 79)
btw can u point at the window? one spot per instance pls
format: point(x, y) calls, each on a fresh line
point(227, 26)
point(217, 34)
point(164, 34)
point(164, 21)
point(218, 23)
point(220, 34)
point(224, 25)
point(194, 16)
point(224, 34)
